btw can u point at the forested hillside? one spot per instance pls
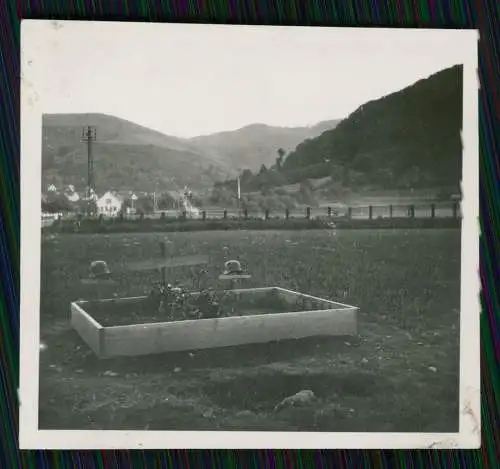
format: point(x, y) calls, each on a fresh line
point(406, 140)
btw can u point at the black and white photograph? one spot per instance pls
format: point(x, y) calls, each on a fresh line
point(248, 237)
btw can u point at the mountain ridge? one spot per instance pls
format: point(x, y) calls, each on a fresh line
point(257, 144)
point(166, 160)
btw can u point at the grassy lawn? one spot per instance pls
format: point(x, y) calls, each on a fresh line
point(401, 374)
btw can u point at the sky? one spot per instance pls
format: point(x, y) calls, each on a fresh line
point(189, 80)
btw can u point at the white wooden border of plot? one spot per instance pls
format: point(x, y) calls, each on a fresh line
point(34, 36)
point(333, 319)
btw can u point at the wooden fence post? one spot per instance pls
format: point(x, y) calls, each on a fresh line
point(412, 211)
point(455, 210)
point(245, 214)
point(308, 213)
point(287, 214)
point(225, 214)
point(433, 211)
point(390, 211)
point(370, 212)
point(349, 212)
point(266, 214)
point(204, 215)
point(329, 211)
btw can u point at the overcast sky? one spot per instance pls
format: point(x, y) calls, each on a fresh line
point(187, 80)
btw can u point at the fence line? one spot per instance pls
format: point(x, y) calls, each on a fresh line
point(433, 210)
point(367, 212)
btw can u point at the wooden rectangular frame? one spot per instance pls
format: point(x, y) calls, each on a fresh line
point(322, 318)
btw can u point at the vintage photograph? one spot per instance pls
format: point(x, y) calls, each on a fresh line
point(248, 229)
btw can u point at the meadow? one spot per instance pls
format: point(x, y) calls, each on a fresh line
point(400, 375)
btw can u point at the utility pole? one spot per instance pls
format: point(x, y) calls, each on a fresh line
point(89, 136)
point(239, 196)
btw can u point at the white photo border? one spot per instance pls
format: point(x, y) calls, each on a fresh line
point(30, 437)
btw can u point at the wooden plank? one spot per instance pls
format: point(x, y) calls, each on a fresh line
point(98, 281)
point(152, 264)
point(289, 293)
point(113, 301)
point(88, 328)
point(234, 277)
point(223, 332)
point(138, 299)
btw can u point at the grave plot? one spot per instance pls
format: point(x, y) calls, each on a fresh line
point(143, 310)
point(136, 326)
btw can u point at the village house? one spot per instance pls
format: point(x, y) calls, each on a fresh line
point(114, 202)
point(110, 204)
point(71, 194)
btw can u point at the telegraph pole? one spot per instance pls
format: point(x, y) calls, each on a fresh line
point(238, 200)
point(89, 136)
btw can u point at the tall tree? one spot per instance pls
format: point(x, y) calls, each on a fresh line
point(280, 159)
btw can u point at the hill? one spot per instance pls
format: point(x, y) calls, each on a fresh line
point(407, 142)
point(126, 155)
point(408, 139)
point(256, 144)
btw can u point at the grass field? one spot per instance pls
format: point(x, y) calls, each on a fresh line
point(401, 374)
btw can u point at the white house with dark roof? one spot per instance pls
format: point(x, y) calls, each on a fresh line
point(110, 204)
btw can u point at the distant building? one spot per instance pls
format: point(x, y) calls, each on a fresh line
point(110, 204)
point(52, 188)
point(73, 197)
point(71, 194)
point(132, 209)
